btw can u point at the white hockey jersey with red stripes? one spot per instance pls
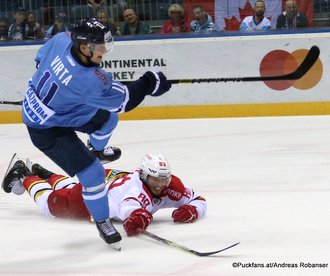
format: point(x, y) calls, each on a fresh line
point(129, 193)
point(60, 196)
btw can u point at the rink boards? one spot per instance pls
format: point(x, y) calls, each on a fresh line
point(197, 57)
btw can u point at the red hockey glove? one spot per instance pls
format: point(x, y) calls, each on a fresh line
point(137, 222)
point(186, 213)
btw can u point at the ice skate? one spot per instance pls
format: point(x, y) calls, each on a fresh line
point(109, 233)
point(16, 171)
point(38, 170)
point(108, 154)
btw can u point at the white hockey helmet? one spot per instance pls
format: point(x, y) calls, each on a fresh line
point(154, 165)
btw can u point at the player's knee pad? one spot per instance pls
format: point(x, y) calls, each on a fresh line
point(92, 178)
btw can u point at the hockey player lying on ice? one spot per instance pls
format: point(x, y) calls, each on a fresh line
point(133, 196)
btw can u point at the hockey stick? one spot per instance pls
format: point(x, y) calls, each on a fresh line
point(11, 102)
point(303, 68)
point(186, 249)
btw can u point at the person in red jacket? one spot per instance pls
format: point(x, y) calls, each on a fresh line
point(176, 24)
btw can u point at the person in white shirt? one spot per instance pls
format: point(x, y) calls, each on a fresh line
point(133, 197)
point(257, 21)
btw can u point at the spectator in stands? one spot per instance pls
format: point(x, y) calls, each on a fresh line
point(33, 30)
point(3, 28)
point(291, 18)
point(203, 21)
point(133, 26)
point(16, 30)
point(105, 19)
point(60, 25)
point(176, 23)
point(257, 21)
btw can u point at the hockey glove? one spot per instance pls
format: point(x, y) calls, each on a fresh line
point(186, 213)
point(158, 83)
point(137, 222)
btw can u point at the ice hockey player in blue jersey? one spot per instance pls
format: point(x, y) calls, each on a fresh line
point(69, 93)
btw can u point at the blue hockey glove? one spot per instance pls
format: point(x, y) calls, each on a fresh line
point(158, 82)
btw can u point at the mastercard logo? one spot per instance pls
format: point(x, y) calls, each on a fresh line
point(279, 62)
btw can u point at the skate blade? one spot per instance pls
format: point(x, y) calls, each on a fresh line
point(12, 162)
point(105, 161)
point(116, 246)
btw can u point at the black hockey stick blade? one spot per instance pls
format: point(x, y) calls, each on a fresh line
point(186, 249)
point(12, 102)
point(303, 68)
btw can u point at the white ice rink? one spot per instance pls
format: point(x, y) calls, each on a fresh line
point(266, 181)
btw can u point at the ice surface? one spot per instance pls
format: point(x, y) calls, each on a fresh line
point(266, 181)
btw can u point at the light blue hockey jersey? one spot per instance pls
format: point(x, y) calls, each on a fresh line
point(64, 93)
point(208, 26)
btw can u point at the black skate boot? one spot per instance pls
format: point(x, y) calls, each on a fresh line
point(38, 170)
point(17, 170)
point(109, 233)
point(109, 154)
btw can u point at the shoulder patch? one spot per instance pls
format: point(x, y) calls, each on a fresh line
point(101, 76)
